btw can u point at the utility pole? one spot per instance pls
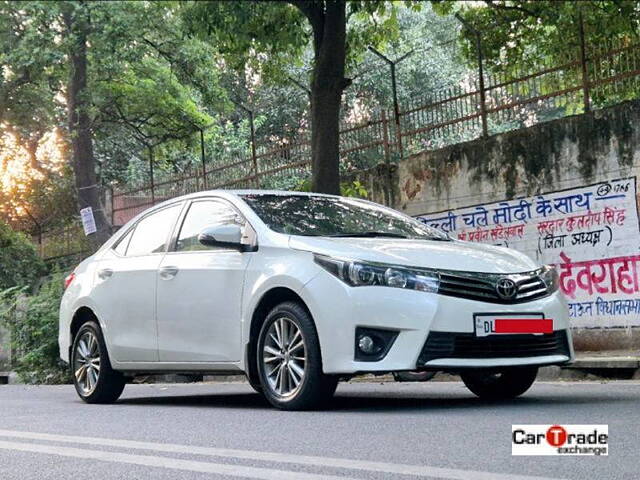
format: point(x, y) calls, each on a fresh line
point(394, 90)
point(583, 62)
point(202, 158)
point(254, 156)
point(483, 100)
point(153, 187)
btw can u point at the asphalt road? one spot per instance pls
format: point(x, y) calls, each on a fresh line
point(373, 431)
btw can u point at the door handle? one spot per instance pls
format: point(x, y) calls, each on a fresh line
point(105, 273)
point(167, 273)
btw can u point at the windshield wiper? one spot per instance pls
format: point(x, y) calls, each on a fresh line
point(368, 234)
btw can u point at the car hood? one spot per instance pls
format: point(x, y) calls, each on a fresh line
point(452, 255)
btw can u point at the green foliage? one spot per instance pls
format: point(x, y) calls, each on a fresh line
point(147, 81)
point(547, 38)
point(519, 35)
point(20, 264)
point(434, 61)
point(303, 185)
point(33, 325)
point(150, 101)
point(151, 82)
point(27, 61)
point(273, 39)
point(354, 189)
point(262, 35)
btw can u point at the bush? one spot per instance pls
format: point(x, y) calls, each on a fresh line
point(33, 324)
point(20, 264)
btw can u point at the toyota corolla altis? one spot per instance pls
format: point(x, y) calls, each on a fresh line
point(301, 290)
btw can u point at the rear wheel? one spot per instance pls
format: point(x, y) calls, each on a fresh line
point(500, 385)
point(93, 377)
point(289, 361)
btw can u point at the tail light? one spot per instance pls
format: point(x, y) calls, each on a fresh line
point(68, 279)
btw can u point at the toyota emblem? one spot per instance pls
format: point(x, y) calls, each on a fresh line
point(506, 288)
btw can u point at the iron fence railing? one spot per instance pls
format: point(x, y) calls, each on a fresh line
point(596, 78)
point(63, 242)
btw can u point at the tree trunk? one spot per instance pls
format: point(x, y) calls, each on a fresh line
point(326, 96)
point(84, 163)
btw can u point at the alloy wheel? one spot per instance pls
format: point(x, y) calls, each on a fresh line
point(87, 363)
point(284, 357)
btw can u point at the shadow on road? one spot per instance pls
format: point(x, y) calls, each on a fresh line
point(376, 402)
point(442, 403)
point(222, 400)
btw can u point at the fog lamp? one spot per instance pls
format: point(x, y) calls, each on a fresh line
point(373, 344)
point(367, 345)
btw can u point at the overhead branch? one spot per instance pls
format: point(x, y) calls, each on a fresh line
point(508, 7)
point(311, 9)
point(315, 12)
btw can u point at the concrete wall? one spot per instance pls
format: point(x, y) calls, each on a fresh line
point(584, 169)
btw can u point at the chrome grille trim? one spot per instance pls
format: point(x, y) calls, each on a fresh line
point(482, 286)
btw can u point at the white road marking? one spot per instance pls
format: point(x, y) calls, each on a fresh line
point(167, 462)
point(316, 461)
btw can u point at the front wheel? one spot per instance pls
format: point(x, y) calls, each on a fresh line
point(500, 385)
point(289, 361)
point(93, 377)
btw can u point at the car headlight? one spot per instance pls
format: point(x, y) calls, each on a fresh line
point(549, 276)
point(361, 274)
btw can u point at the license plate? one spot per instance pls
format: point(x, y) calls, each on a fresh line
point(512, 324)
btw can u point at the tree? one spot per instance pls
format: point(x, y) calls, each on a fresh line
point(33, 198)
point(518, 35)
point(264, 36)
point(328, 22)
point(76, 21)
point(111, 66)
point(20, 265)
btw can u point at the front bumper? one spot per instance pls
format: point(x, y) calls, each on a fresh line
point(421, 317)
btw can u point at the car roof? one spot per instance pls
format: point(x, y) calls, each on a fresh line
point(243, 192)
point(271, 192)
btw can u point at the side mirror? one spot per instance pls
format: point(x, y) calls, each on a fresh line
point(229, 236)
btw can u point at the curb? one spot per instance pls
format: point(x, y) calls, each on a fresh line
point(621, 362)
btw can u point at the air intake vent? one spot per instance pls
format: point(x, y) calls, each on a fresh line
point(467, 345)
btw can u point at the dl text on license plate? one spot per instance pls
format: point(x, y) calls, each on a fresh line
point(512, 324)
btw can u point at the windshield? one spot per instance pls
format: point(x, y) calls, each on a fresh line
point(335, 217)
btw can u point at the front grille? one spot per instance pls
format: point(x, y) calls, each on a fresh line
point(467, 345)
point(482, 286)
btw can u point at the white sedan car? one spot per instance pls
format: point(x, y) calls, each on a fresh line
point(300, 290)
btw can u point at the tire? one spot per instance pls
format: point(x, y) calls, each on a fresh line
point(103, 385)
point(257, 387)
point(286, 327)
point(500, 385)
